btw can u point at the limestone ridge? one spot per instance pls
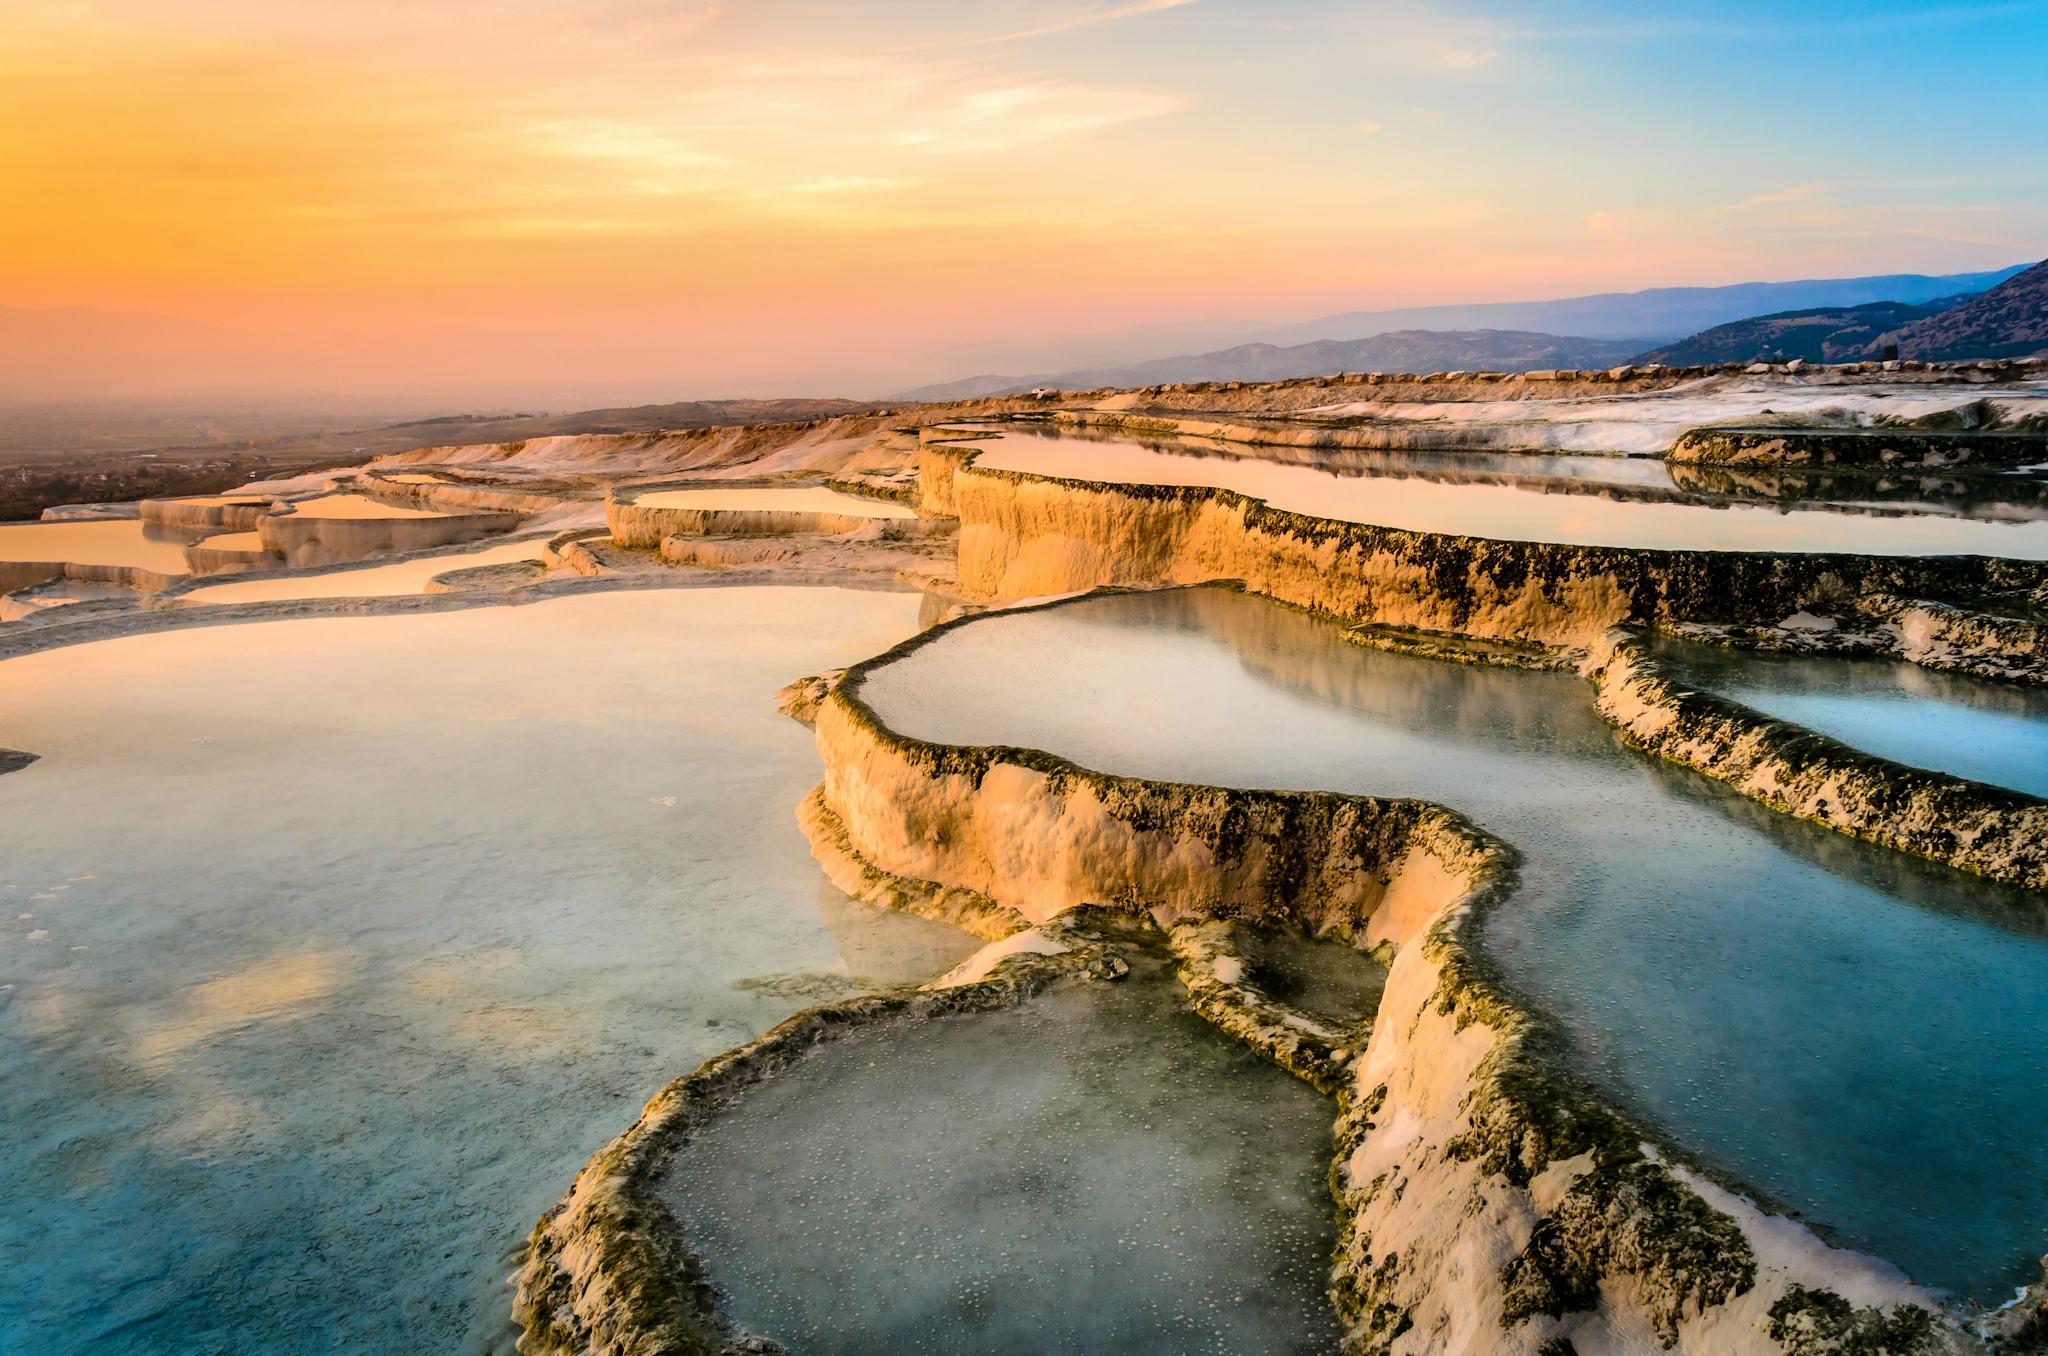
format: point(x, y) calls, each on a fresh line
point(1027, 535)
point(1884, 448)
point(1986, 830)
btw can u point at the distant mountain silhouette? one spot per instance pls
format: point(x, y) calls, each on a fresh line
point(2009, 320)
point(1660, 315)
point(1400, 351)
point(1825, 334)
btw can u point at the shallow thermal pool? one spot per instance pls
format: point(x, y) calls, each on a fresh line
point(1861, 1035)
point(1096, 1171)
point(234, 541)
point(1514, 512)
point(369, 581)
point(358, 506)
point(777, 499)
point(110, 541)
point(1969, 727)
point(330, 949)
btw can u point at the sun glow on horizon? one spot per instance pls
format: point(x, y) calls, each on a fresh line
point(792, 196)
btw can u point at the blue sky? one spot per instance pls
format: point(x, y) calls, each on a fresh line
point(791, 193)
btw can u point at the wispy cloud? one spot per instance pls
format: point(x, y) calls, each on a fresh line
point(844, 183)
point(627, 143)
point(1009, 117)
point(1793, 193)
point(1086, 18)
point(1366, 129)
point(1469, 58)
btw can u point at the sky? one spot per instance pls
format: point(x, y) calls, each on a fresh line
point(659, 199)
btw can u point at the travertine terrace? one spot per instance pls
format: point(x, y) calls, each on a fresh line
point(1487, 1193)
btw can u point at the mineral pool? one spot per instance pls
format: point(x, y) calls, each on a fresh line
point(1859, 1035)
point(1969, 727)
point(332, 948)
point(365, 581)
point(1096, 1171)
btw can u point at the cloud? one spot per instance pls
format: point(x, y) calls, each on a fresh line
point(1778, 195)
point(1083, 19)
point(1366, 129)
point(1010, 117)
point(626, 143)
point(844, 183)
point(1468, 58)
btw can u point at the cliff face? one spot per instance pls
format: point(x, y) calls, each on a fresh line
point(221, 512)
point(1025, 536)
point(306, 540)
point(1034, 835)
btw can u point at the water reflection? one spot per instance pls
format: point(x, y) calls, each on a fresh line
point(1586, 501)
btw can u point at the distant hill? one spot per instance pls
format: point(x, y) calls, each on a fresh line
point(2009, 321)
point(1663, 313)
point(1399, 351)
point(1660, 315)
point(1825, 334)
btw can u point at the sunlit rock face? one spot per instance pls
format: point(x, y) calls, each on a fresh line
point(334, 529)
point(646, 517)
point(332, 947)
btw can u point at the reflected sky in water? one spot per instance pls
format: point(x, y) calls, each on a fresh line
point(1969, 727)
point(332, 948)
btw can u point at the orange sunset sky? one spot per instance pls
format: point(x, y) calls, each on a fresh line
point(513, 198)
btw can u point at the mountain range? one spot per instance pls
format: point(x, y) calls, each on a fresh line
point(1633, 320)
point(2008, 320)
point(1398, 351)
